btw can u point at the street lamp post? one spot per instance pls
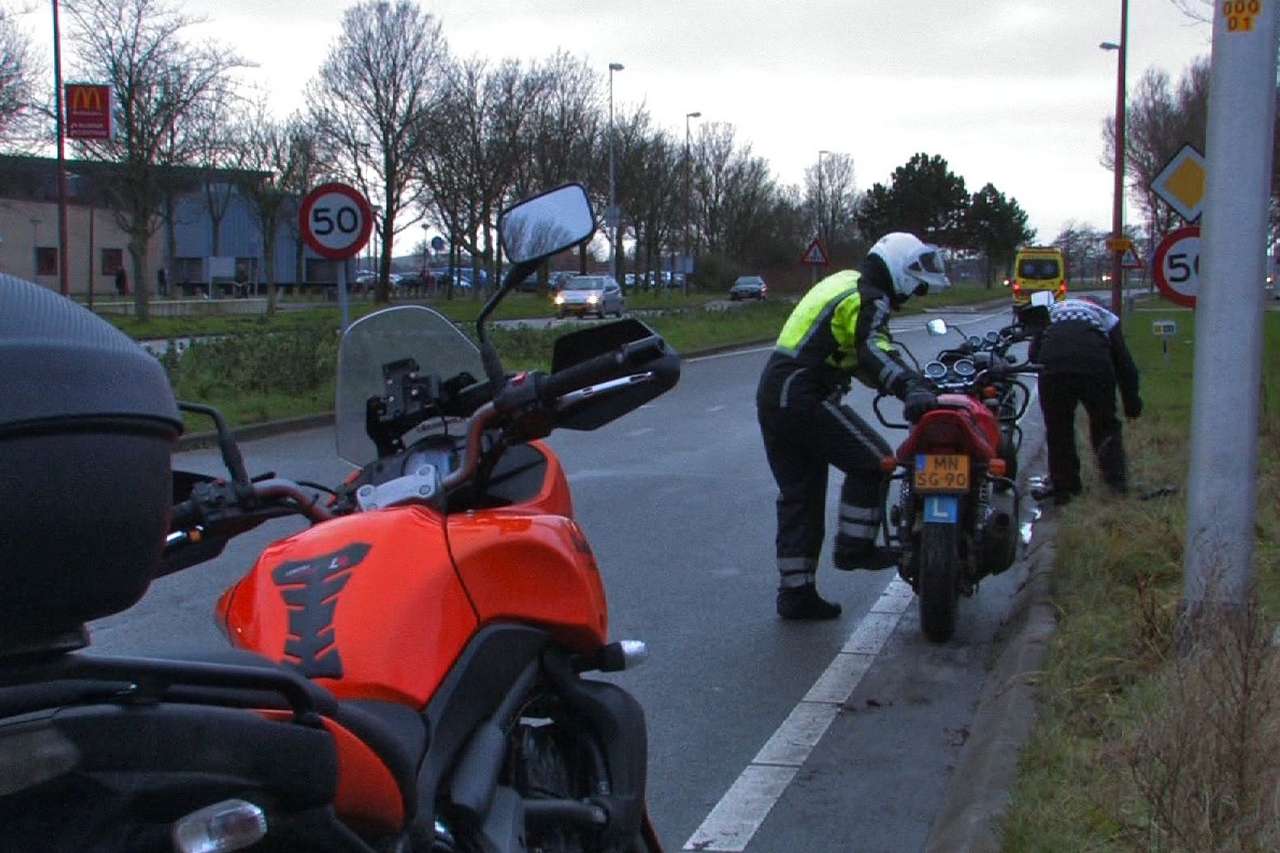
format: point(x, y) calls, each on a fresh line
point(1117, 202)
point(63, 285)
point(613, 222)
point(688, 246)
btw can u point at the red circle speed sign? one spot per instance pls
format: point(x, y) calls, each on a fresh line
point(335, 220)
point(1176, 266)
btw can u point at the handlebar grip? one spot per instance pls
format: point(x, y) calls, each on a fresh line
point(580, 375)
point(600, 368)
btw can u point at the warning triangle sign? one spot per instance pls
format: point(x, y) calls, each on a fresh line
point(815, 255)
point(1131, 261)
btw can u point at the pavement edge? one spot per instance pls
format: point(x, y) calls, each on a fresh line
point(979, 792)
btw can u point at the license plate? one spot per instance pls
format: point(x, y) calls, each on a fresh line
point(942, 472)
point(942, 509)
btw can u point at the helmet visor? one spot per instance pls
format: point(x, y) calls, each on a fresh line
point(930, 269)
point(929, 262)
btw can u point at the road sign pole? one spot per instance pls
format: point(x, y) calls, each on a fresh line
point(342, 295)
point(1228, 348)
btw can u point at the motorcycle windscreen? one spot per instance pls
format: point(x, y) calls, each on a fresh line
point(432, 341)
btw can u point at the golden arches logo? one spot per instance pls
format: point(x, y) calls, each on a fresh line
point(87, 98)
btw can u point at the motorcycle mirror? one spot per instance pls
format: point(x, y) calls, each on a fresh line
point(975, 341)
point(937, 327)
point(546, 224)
point(993, 337)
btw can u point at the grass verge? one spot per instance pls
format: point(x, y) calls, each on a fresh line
point(258, 369)
point(1138, 747)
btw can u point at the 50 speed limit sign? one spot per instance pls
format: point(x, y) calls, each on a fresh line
point(1177, 266)
point(335, 220)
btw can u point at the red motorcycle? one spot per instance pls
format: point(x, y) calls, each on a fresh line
point(955, 519)
point(409, 673)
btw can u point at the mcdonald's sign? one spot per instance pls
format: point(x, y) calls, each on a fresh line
point(88, 111)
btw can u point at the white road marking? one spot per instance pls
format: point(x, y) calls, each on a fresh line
point(716, 409)
point(635, 433)
point(734, 821)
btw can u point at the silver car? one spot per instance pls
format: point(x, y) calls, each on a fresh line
point(590, 294)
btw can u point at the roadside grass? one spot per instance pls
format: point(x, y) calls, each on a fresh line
point(320, 315)
point(257, 369)
point(1138, 747)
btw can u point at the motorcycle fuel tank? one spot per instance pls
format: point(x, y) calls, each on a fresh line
point(369, 605)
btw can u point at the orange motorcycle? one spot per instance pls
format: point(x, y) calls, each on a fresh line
point(408, 671)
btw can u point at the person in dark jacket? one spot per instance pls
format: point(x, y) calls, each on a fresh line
point(1085, 360)
point(838, 331)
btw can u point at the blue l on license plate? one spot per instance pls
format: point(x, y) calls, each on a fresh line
point(942, 509)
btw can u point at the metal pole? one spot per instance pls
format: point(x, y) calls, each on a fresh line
point(63, 286)
point(91, 218)
point(688, 170)
point(1222, 491)
point(342, 295)
point(613, 207)
point(1117, 203)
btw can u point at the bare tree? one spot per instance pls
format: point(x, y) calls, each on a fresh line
point(159, 82)
point(272, 156)
point(832, 196)
point(17, 76)
point(370, 103)
point(471, 163)
point(1160, 120)
point(309, 167)
point(215, 149)
point(564, 139)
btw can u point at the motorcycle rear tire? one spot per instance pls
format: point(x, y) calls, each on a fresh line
point(937, 573)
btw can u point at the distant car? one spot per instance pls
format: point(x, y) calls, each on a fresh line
point(748, 287)
point(1038, 268)
point(590, 294)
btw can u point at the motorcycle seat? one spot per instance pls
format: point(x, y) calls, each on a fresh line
point(397, 734)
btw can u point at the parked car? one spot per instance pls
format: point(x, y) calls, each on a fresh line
point(590, 294)
point(748, 287)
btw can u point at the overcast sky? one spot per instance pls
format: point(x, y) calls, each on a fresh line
point(1011, 92)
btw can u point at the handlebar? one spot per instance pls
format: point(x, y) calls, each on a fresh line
point(598, 369)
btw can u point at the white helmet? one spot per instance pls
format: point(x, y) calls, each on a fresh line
point(915, 267)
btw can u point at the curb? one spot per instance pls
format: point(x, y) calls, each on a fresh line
point(198, 440)
point(979, 792)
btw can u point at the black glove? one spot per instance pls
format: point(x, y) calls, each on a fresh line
point(1133, 408)
point(918, 401)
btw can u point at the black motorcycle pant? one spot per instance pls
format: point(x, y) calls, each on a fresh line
point(1060, 393)
point(802, 439)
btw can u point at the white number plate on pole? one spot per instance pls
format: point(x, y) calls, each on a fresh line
point(335, 221)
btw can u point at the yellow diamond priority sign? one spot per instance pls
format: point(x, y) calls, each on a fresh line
point(1181, 183)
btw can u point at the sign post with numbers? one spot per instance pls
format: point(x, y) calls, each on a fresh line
point(1226, 403)
point(1176, 266)
point(335, 221)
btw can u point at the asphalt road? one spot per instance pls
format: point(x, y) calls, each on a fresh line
point(678, 502)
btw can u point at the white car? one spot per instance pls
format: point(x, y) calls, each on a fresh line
point(590, 294)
